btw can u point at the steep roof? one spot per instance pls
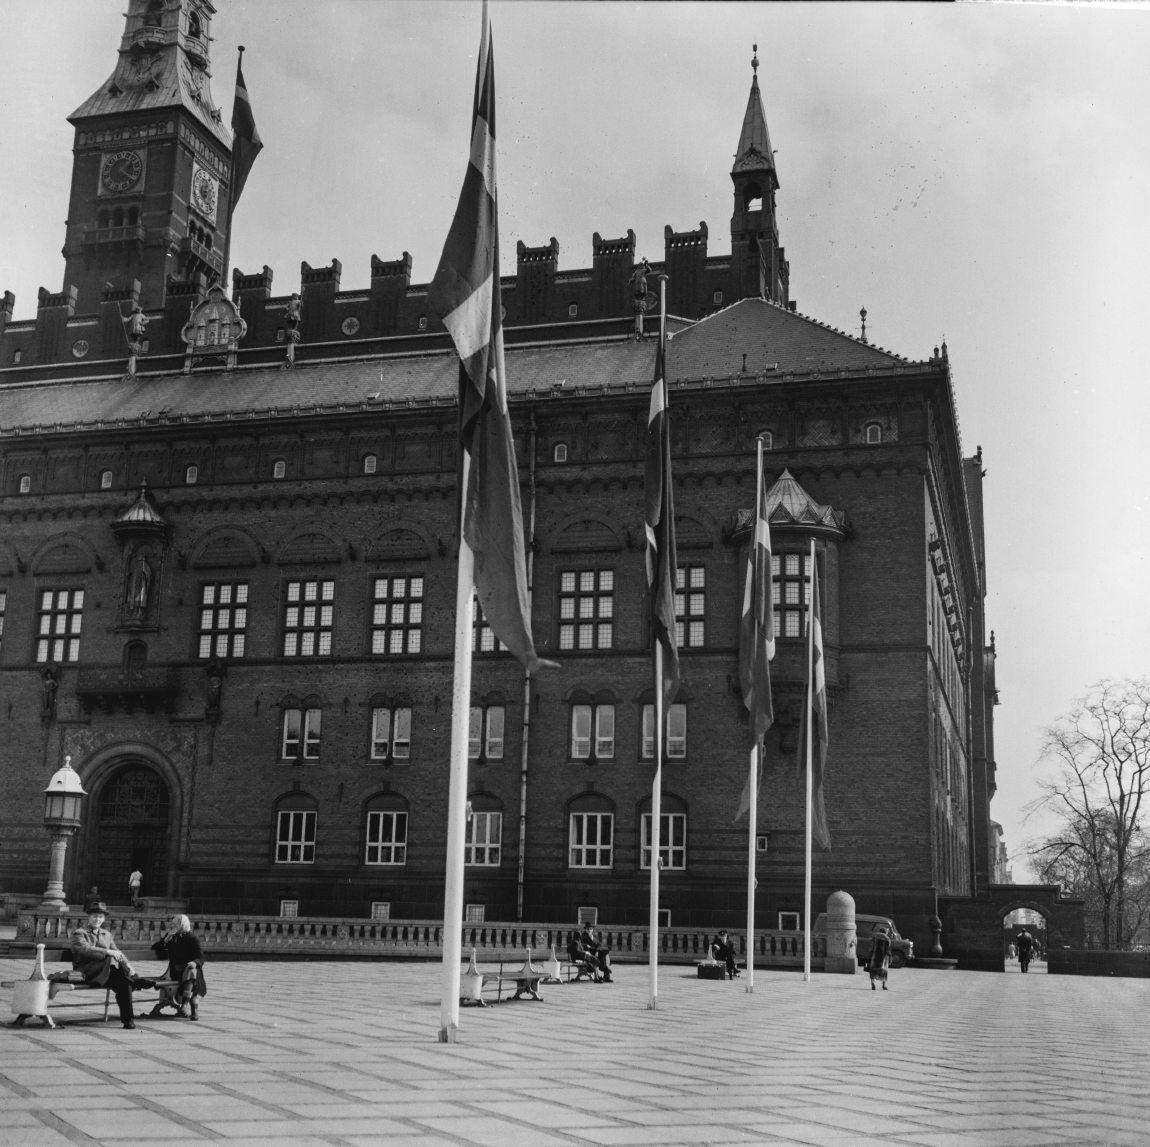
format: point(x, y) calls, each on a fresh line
point(771, 337)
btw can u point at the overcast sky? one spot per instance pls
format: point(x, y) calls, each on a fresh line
point(973, 172)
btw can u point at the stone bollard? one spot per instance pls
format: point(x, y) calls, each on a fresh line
point(842, 939)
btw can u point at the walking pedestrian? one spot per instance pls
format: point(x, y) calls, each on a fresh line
point(135, 882)
point(879, 962)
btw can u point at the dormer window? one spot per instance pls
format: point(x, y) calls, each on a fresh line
point(873, 434)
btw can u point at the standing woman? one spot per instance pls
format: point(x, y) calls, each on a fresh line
point(879, 961)
point(185, 965)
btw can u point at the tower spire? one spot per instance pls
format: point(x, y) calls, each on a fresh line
point(757, 262)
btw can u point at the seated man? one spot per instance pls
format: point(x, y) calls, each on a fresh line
point(96, 957)
point(599, 951)
point(585, 962)
point(724, 951)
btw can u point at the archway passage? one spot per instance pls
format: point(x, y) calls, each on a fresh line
point(1020, 954)
point(132, 832)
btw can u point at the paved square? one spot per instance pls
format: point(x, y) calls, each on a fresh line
point(347, 1053)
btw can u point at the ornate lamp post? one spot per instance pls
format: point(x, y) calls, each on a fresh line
point(62, 801)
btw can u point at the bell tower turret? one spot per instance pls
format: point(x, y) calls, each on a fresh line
point(758, 264)
point(151, 162)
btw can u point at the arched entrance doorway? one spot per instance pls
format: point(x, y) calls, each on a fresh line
point(1033, 923)
point(132, 832)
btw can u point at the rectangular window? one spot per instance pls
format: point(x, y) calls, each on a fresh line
point(308, 618)
point(790, 592)
point(675, 737)
point(690, 607)
point(474, 913)
point(391, 733)
point(485, 733)
point(301, 730)
point(61, 613)
point(586, 609)
point(397, 615)
point(381, 909)
point(223, 619)
point(788, 921)
point(386, 838)
point(295, 837)
point(592, 839)
point(672, 840)
point(484, 834)
point(483, 639)
point(592, 721)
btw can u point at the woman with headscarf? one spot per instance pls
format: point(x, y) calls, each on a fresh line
point(185, 965)
point(879, 960)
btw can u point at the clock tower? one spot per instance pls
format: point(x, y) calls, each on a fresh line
point(151, 162)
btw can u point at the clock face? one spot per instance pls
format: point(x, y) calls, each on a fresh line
point(205, 191)
point(121, 170)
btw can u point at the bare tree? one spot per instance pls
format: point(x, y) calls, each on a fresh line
point(1100, 752)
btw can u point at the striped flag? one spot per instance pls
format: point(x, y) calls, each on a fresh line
point(246, 142)
point(815, 712)
point(465, 291)
point(757, 625)
point(757, 633)
point(660, 527)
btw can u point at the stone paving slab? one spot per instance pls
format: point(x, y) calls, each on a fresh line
point(346, 1053)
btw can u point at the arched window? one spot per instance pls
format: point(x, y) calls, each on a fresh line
point(25, 486)
point(154, 15)
point(118, 217)
point(768, 440)
point(752, 197)
point(191, 475)
point(369, 463)
point(672, 834)
point(133, 216)
point(483, 846)
point(873, 433)
point(105, 479)
point(102, 218)
point(295, 830)
point(279, 468)
point(591, 832)
point(560, 453)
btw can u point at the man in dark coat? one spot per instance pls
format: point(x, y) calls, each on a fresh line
point(1025, 949)
point(724, 951)
point(96, 957)
point(599, 951)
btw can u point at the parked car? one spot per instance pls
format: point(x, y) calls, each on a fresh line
point(901, 949)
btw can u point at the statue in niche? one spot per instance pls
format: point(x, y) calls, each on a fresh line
point(140, 586)
point(51, 686)
point(293, 317)
point(639, 279)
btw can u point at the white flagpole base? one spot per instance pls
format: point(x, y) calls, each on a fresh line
point(449, 1033)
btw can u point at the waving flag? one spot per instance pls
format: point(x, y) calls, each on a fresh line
point(246, 142)
point(465, 292)
point(757, 632)
point(660, 528)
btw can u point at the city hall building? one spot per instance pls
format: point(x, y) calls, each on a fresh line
point(228, 542)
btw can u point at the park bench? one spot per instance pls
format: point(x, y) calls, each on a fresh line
point(526, 980)
point(69, 981)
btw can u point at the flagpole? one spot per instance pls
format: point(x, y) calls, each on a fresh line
point(657, 784)
point(457, 786)
point(810, 768)
point(756, 751)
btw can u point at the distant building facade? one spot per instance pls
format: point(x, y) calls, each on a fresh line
point(227, 565)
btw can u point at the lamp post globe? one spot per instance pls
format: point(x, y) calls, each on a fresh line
point(63, 799)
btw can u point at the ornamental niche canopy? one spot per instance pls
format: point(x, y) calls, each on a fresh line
point(213, 331)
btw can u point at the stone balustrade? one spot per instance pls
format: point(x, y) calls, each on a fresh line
point(404, 939)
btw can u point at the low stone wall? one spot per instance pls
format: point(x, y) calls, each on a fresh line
point(269, 936)
point(1084, 962)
